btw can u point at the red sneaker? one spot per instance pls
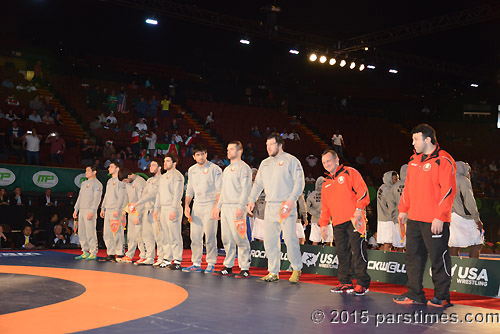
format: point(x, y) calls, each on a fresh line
point(124, 259)
point(360, 290)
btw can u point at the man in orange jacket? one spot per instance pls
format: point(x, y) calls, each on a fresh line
point(344, 195)
point(427, 199)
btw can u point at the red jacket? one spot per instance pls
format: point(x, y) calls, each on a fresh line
point(341, 194)
point(430, 187)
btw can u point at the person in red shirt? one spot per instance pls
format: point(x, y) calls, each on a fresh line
point(344, 196)
point(57, 147)
point(426, 202)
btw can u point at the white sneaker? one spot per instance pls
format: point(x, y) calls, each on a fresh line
point(148, 262)
point(157, 263)
point(165, 264)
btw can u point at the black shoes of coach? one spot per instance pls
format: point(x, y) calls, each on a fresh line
point(110, 258)
point(224, 272)
point(243, 274)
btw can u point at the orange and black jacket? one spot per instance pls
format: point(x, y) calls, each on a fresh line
point(341, 194)
point(430, 187)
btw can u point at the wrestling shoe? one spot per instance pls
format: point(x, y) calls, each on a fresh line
point(165, 264)
point(243, 274)
point(406, 301)
point(175, 266)
point(193, 268)
point(148, 262)
point(107, 258)
point(124, 259)
point(439, 302)
point(360, 290)
point(139, 262)
point(341, 288)
point(157, 263)
point(91, 258)
point(269, 278)
point(82, 256)
point(210, 269)
point(295, 276)
point(114, 257)
point(224, 272)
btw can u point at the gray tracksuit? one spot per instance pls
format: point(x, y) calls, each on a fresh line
point(151, 232)
point(168, 199)
point(464, 203)
point(113, 203)
point(88, 201)
point(386, 210)
point(204, 184)
point(314, 201)
point(260, 206)
point(236, 186)
point(134, 232)
point(397, 189)
point(282, 178)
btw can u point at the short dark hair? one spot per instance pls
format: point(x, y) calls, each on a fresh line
point(199, 148)
point(116, 163)
point(172, 156)
point(277, 137)
point(29, 215)
point(427, 131)
point(123, 174)
point(239, 145)
point(158, 161)
point(93, 167)
point(332, 152)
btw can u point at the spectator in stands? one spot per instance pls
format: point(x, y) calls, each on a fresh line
point(111, 119)
point(4, 199)
point(2, 115)
point(360, 159)
point(309, 178)
point(112, 101)
point(95, 124)
point(57, 239)
point(129, 127)
point(22, 115)
point(16, 140)
point(11, 100)
point(58, 120)
point(11, 116)
point(57, 147)
point(108, 150)
point(492, 166)
point(338, 143)
point(174, 126)
point(53, 110)
point(7, 83)
point(34, 117)
point(31, 144)
point(190, 142)
point(294, 135)
point(36, 103)
point(25, 240)
point(46, 199)
point(135, 141)
point(216, 160)
point(142, 107)
point(17, 198)
point(86, 152)
point(153, 106)
point(122, 100)
point(177, 137)
point(132, 85)
point(38, 74)
point(254, 131)
point(144, 162)
point(165, 138)
point(67, 231)
point(248, 153)
point(377, 160)
point(151, 139)
point(47, 119)
point(3, 238)
point(154, 123)
point(110, 160)
point(102, 98)
point(210, 119)
point(165, 106)
point(119, 158)
point(102, 118)
point(141, 126)
point(172, 89)
point(312, 160)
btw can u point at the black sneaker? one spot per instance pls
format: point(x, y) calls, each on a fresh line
point(106, 258)
point(175, 266)
point(224, 272)
point(439, 302)
point(243, 274)
point(342, 288)
point(113, 258)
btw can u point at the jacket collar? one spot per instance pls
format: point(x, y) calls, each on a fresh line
point(339, 170)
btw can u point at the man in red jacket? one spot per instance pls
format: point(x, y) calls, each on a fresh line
point(344, 195)
point(427, 198)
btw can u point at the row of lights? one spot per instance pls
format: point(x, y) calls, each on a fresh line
point(322, 59)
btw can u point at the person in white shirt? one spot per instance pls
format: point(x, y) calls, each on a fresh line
point(151, 139)
point(31, 143)
point(177, 137)
point(35, 117)
point(141, 126)
point(338, 143)
point(111, 119)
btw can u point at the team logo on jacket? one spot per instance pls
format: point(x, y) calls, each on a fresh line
point(233, 169)
point(427, 167)
point(281, 163)
point(88, 185)
point(341, 180)
point(205, 171)
point(114, 183)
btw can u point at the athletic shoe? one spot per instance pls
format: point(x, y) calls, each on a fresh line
point(124, 259)
point(91, 258)
point(148, 262)
point(107, 258)
point(224, 272)
point(157, 263)
point(269, 278)
point(360, 290)
point(406, 301)
point(295, 276)
point(114, 258)
point(83, 256)
point(139, 262)
point(341, 288)
point(193, 268)
point(210, 269)
point(439, 302)
point(243, 274)
point(164, 264)
point(175, 266)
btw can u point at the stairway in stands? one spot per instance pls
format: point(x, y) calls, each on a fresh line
point(69, 122)
point(313, 135)
point(212, 144)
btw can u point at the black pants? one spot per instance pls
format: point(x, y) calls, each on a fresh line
point(419, 243)
point(351, 246)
